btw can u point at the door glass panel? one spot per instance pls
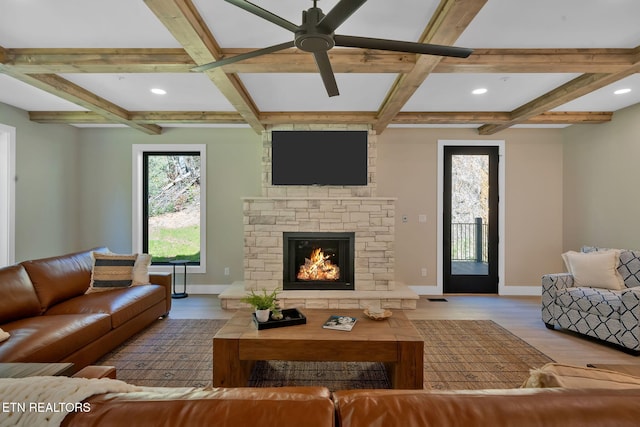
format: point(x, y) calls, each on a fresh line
point(469, 214)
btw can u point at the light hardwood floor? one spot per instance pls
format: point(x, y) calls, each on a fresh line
point(520, 315)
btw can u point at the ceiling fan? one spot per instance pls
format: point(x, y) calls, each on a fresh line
point(316, 36)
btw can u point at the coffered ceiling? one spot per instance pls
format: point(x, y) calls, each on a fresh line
point(544, 63)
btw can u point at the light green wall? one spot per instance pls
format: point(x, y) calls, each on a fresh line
point(601, 204)
point(233, 171)
point(47, 186)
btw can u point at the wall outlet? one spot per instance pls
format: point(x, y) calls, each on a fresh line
point(422, 218)
point(423, 272)
point(226, 271)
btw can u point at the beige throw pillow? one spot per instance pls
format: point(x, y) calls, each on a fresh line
point(4, 335)
point(594, 269)
point(111, 271)
point(141, 270)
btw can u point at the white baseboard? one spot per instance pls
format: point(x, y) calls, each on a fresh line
point(204, 289)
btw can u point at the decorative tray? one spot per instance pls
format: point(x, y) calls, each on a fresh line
point(378, 316)
point(291, 316)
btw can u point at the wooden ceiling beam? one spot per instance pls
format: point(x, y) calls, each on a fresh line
point(176, 60)
point(571, 117)
point(68, 117)
point(188, 117)
point(447, 24)
point(540, 61)
point(147, 117)
point(569, 91)
point(481, 117)
point(69, 91)
point(182, 19)
point(343, 60)
point(574, 89)
point(99, 60)
point(312, 117)
point(318, 117)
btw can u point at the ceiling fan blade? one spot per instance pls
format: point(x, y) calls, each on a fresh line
point(243, 56)
point(326, 72)
point(340, 13)
point(400, 46)
point(264, 14)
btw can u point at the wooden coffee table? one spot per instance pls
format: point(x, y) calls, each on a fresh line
point(395, 341)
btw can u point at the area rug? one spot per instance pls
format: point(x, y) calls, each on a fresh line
point(459, 354)
point(475, 354)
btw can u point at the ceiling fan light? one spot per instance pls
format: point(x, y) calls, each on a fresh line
point(622, 91)
point(158, 91)
point(479, 91)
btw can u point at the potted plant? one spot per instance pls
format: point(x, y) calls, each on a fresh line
point(262, 302)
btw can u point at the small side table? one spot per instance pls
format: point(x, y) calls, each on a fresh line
point(182, 294)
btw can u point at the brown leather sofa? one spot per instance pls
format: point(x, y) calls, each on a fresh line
point(317, 407)
point(44, 308)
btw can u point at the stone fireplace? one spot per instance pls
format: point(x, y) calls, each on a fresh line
point(283, 212)
point(320, 261)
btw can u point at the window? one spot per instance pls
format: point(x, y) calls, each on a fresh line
point(169, 203)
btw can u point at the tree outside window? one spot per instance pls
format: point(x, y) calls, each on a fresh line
point(169, 203)
point(172, 194)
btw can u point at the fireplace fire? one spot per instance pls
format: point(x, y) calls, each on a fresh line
point(318, 267)
point(318, 261)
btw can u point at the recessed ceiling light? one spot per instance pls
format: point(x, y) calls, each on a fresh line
point(158, 91)
point(479, 91)
point(622, 91)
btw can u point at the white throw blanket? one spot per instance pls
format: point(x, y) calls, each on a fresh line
point(45, 401)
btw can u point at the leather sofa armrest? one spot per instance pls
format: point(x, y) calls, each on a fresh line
point(165, 280)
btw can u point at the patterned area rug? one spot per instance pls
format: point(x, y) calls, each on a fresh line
point(475, 354)
point(459, 354)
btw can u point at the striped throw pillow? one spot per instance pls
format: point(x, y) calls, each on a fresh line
point(111, 271)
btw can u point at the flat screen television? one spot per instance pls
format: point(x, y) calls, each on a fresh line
point(319, 157)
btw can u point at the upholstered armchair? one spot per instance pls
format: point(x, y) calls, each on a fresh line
point(607, 308)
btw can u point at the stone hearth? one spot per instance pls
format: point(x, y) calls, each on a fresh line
point(321, 209)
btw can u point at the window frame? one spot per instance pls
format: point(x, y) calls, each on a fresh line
point(138, 202)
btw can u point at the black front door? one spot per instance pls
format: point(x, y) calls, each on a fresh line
point(470, 235)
